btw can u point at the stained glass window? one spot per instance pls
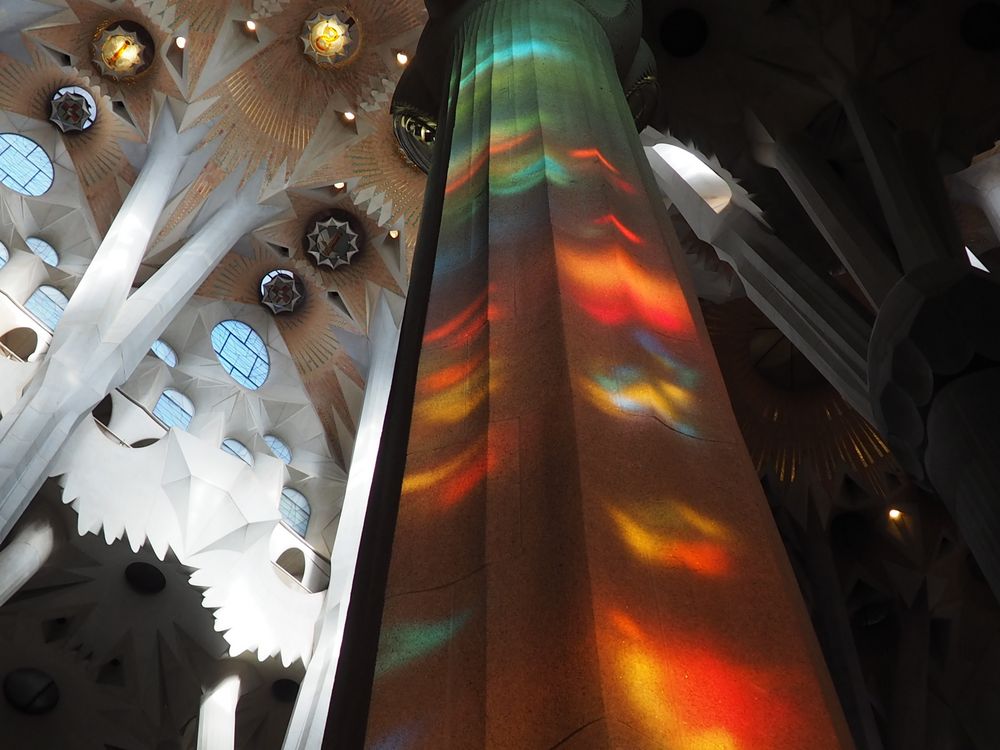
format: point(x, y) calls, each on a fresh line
point(278, 448)
point(47, 304)
point(174, 409)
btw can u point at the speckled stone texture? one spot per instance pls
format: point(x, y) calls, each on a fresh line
point(583, 556)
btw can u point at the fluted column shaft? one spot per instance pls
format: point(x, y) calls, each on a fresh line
point(583, 552)
point(217, 716)
point(24, 556)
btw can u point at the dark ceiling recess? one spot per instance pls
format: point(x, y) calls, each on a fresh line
point(144, 578)
point(684, 32)
point(981, 26)
point(31, 691)
point(285, 690)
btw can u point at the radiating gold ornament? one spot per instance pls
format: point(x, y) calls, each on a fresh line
point(120, 52)
point(331, 38)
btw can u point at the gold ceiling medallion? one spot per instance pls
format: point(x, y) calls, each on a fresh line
point(332, 241)
point(122, 50)
point(331, 38)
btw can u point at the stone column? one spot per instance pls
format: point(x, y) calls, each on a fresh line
point(217, 717)
point(583, 554)
point(24, 556)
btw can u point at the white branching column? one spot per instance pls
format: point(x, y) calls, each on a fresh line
point(104, 333)
point(217, 716)
point(24, 555)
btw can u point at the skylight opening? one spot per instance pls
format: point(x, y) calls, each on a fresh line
point(279, 448)
point(164, 351)
point(43, 250)
point(24, 167)
point(47, 304)
point(236, 448)
point(241, 352)
point(295, 511)
point(174, 409)
point(702, 178)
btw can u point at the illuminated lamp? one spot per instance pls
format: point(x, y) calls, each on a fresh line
point(895, 514)
point(402, 58)
point(181, 42)
point(251, 25)
point(394, 234)
point(339, 185)
point(331, 38)
point(122, 50)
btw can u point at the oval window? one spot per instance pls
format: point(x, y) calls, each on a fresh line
point(241, 352)
point(43, 250)
point(295, 512)
point(24, 167)
point(279, 448)
point(236, 448)
point(164, 351)
point(174, 409)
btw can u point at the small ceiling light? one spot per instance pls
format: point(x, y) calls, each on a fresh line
point(350, 116)
point(402, 58)
point(895, 514)
point(339, 185)
point(251, 25)
point(394, 233)
point(181, 42)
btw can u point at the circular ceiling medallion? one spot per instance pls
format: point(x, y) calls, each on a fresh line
point(144, 578)
point(332, 241)
point(684, 32)
point(31, 691)
point(279, 291)
point(981, 26)
point(73, 109)
point(123, 50)
point(331, 38)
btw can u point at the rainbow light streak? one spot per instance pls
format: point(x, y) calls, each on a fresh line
point(691, 697)
point(623, 230)
point(453, 479)
point(497, 147)
point(633, 391)
point(614, 175)
point(673, 546)
point(614, 289)
point(507, 56)
point(404, 644)
point(463, 325)
point(454, 403)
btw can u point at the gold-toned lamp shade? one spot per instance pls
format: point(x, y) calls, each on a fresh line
point(331, 38)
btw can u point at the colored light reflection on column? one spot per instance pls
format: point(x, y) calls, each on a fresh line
point(692, 696)
point(614, 290)
point(406, 643)
point(676, 537)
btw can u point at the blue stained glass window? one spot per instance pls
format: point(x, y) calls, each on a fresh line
point(47, 304)
point(279, 448)
point(4, 255)
point(236, 448)
point(24, 167)
point(43, 250)
point(294, 510)
point(241, 352)
point(164, 351)
point(174, 409)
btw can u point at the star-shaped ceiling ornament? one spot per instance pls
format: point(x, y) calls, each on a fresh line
point(122, 50)
point(331, 39)
point(279, 291)
point(332, 243)
point(73, 109)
